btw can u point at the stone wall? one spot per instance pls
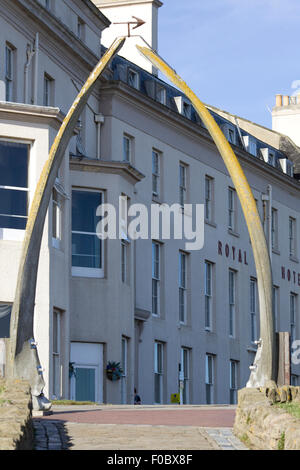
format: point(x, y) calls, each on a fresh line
point(16, 429)
point(263, 426)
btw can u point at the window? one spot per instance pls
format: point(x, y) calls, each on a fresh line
point(155, 173)
point(14, 160)
point(161, 94)
point(274, 229)
point(253, 332)
point(155, 279)
point(80, 28)
point(231, 208)
point(275, 299)
point(124, 255)
point(232, 275)
point(127, 148)
point(294, 380)
point(231, 136)
point(48, 4)
point(124, 368)
point(208, 295)
point(182, 184)
point(87, 248)
point(9, 72)
point(182, 287)
point(271, 159)
point(292, 236)
point(133, 79)
point(233, 382)
point(158, 372)
point(187, 110)
point(56, 218)
point(208, 198)
point(48, 90)
point(209, 378)
point(5, 315)
point(184, 369)
point(56, 353)
point(293, 331)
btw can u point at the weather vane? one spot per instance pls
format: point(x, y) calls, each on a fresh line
point(137, 23)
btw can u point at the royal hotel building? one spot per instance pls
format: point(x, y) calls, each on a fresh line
point(149, 304)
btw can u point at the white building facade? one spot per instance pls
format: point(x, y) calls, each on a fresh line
point(150, 304)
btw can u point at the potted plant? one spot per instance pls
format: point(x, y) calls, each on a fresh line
point(114, 371)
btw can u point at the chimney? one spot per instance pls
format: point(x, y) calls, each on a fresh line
point(278, 100)
point(286, 100)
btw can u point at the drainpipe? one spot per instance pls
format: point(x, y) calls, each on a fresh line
point(267, 205)
point(30, 54)
point(99, 120)
point(269, 189)
point(36, 69)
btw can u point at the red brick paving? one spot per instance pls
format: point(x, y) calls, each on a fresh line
point(191, 417)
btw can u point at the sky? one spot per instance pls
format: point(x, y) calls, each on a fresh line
point(234, 54)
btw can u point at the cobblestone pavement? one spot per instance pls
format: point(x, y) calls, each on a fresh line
point(131, 428)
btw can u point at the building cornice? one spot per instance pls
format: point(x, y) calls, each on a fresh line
point(56, 29)
point(31, 113)
point(191, 129)
point(105, 166)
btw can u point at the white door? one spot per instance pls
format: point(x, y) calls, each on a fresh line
point(87, 380)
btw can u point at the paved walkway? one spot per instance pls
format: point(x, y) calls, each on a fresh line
point(128, 427)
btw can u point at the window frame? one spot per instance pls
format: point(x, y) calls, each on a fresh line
point(10, 51)
point(232, 302)
point(80, 271)
point(161, 89)
point(209, 378)
point(233, 381)
point(208, 188)
point(231, 209)
point(156, 155)
point(135, 73)
point(56, 219)
point(292, 237)
point(156, 277)
point(274, 228)
point(56, 354)
point(185, 360)
point(208, 295)
point(7, 233)
point(293, 313)
point(182, 286)
point(158, 370)
point(182, 184)
point(128, 149)
point(253, 310)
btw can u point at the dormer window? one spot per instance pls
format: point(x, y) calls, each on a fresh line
point(229, 132)
point(187, 110)
point(183, 106)
point(269, 156)
point(133, 79)
point(161, 94)
point(287, 166)
point(231, 136)
point(271, 159)
point(250, 144)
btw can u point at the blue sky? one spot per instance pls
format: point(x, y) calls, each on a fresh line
point(234, 54)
